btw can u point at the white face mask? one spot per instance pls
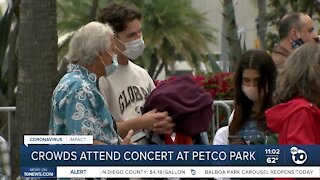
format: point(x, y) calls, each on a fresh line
point(251, 92)
point(134, 48)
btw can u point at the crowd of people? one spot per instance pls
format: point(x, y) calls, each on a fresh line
point(277, 96)
point(104, 91)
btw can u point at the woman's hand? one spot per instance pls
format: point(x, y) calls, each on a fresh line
point(158, 122)
point(126, 140)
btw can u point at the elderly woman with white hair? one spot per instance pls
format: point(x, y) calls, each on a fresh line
point(77, 105)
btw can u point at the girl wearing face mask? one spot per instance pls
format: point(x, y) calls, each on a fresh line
point(254, 82)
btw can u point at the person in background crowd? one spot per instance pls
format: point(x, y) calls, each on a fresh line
point(294, 30)
point(5, 168)
point(254, 82)
point(127, 88)
point(77, 106)
point(296, 116)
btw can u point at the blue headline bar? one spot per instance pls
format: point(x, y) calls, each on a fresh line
point(171, 155)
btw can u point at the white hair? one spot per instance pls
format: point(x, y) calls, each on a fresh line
point(88, 41)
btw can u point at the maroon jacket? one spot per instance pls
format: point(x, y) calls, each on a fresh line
point(189, 106)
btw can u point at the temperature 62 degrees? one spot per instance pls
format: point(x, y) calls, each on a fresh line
point(272, 160)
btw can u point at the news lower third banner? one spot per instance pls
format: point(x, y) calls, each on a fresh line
point(151, 161)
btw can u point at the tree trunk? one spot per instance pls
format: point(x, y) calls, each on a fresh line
point(158, 70)
point(12, 67)
point(262, 23)
point(37, 62)
point(93, 10)
point(224, 46)
point(153, 64)
point(234, 49)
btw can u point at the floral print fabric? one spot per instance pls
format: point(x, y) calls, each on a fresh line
point(79, 109)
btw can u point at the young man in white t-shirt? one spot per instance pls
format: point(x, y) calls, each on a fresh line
point(127, 85)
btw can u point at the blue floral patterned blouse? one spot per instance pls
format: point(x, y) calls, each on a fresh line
point(79, 109)
point(251, 133)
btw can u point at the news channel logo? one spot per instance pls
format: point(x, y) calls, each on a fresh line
point(299, 156)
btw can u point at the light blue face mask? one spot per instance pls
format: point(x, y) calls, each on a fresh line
point(113, 66)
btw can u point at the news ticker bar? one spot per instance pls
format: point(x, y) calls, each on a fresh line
point(179, 172)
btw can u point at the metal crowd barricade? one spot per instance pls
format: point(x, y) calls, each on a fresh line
point(9, 110)
point(216, 105)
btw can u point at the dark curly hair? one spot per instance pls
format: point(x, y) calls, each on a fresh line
point(118, 15)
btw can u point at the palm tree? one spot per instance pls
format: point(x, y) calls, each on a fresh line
point(37, 44)
point(8, 60)
point(8, 63)
point(72, 14)
point(173, 31)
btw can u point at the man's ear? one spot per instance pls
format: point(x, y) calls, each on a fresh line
point(294, 34)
